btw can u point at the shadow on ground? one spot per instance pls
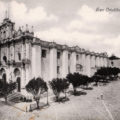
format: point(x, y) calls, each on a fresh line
point(61, 99)
point(88, 88)
point(78, 93)
point(41, 106)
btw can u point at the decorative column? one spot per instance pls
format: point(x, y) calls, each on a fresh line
point(64, 62)
point(83, 57)
point(13, 49)
point(80, 58)
point(97, 62)
point(22, 51)
point(36, 60)
point(12, 52)
point(102, 61)
point(7, 52)
point(92, 64)
point(106, 62)
point(27, 49)
point(23, 76)
point(27, 60)
point(88, 67)
point(53, 61)
point(73, 62)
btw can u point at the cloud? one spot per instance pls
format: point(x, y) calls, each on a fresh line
point(90, 15)
point(21, 14)
point(89, 20)
point(37, 14)
point(87, 29)
point(2, 10)
point(71, 38)
point(82, 31)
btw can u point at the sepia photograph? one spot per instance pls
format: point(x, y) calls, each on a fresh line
point(59, 60)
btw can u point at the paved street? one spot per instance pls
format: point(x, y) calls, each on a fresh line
point(84, 107)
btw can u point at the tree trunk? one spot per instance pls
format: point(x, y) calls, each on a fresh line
point(47, 98)
point(5, 98)
point(65, 94)
point(37, 101)
point(74, 90)
point(57, 97)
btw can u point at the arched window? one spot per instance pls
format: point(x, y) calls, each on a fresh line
point(5, 59)
point(17, 72)
point(19, 56)
point(112, 63)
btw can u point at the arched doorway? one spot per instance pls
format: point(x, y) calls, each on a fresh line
point(3, 75)
point(18, 79)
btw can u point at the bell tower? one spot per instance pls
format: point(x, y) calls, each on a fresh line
point(6, 28)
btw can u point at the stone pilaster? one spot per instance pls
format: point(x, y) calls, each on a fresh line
point(88, 67)
point(7, 52)
point(53, 63)
point(36, 60)
point(102, 61)
point(73, 62)
point(106, 62)
point(98, 62)
point(92, 64)
point(83, 59)
point(23, 79)
point(22, 51)
point(64, 63)
point(27, 66)
point(13, 51)
point(27, 50)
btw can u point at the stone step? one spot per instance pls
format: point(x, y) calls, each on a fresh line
point(14, 96)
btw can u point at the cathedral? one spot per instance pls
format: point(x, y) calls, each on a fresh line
point(24, 56)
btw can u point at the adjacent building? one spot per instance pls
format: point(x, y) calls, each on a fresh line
point(23, 56)
point(114, 61)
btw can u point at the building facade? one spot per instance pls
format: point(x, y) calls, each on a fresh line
point(23, 56)
point(114, 61)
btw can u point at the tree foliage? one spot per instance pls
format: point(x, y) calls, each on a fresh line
point(6, 88)
point(108, 72)
point(105, 74)
point(58, 86)
point(77, 80)
point(36, 87)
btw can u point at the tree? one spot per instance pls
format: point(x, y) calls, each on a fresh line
point(75, 79)
point(6, 88)
point(107, 73)
point(58, 86)
point(65, 86)
point(1, 88)
point(36, 87)
point(85, 80)
point(96, 78)
point(114, 72)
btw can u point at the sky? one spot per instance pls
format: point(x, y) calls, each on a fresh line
point(71, 22)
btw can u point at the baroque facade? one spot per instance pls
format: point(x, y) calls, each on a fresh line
point(23, 56)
